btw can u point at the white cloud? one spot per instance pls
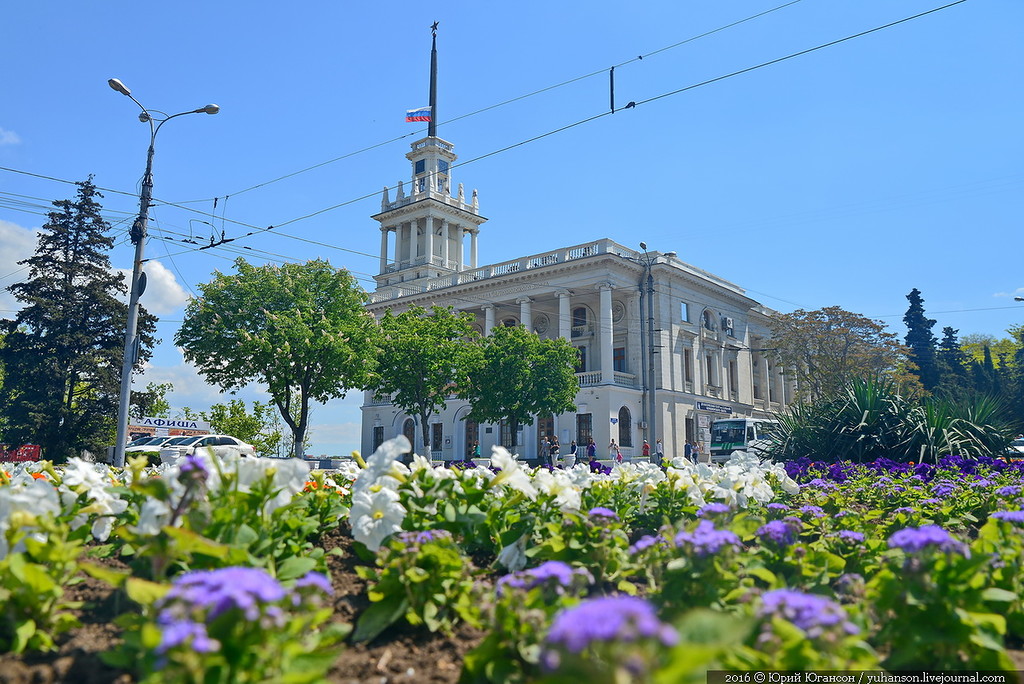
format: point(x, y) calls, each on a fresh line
point(16, 243)
point(1016, 293)
point(9, 137)
point(163, 293)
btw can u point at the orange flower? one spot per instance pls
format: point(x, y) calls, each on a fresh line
point(39, 476)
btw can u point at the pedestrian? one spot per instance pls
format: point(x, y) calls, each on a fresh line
point(698, 454)
point(476, 448)
point(614, 453)
point(545, 451)
point(646, 451)
point(688, 451)
point(555, 449)
point(659, 452)
point(591, 450)
point(570, 458)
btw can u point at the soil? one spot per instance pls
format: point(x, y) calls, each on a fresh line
point(399, 655)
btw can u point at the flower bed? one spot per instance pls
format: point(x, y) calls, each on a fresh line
point(258, 570)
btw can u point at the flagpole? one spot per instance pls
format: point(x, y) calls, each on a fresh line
point(432, 125)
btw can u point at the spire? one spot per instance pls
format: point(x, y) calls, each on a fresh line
point(432, 126)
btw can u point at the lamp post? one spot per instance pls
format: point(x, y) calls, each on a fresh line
point(646, 287)
point(138, 282)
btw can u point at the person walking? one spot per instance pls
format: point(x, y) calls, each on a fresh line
point(688, 451)
point(646, 451)
point(555, 449)
point(591, 450)
point(570, 458)
point(614, 452)
point(659, 452)
point(545, 451)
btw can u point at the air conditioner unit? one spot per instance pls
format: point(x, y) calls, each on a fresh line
point(642, 424)
point(727, 323)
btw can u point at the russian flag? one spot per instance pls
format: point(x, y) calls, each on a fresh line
point(419, 114)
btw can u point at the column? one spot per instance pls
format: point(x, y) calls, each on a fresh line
point(460, 255)
point(604, 317)
point(526, 312)
point(428, 242)
point(444, 243)
point(472, 248)
point(488, 318)
point(564, 315)
point(383, 248)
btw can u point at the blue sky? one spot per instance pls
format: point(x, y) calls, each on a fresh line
point(846, 176)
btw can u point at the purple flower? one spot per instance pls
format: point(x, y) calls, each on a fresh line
point(419, 537)
point(824, 485)
point(1010, 516)
point(778, 533)
point(904, 509)
point(813, 511)
point(931, 502)
point(601, 512)
point(705, 540)
point(185, 633)
point(315, 580)
point(981, 484)
point(608, 619)
point(813, 614)
point(775, 506)
point(644, 542)
point(850, 536)
point(943, 489)
point(554, 574)
point(1009, 490)
point(193, 468)
point(712, 509)
point(914, 539)
point(225, 589)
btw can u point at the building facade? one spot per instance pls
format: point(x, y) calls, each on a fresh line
point(665, 347)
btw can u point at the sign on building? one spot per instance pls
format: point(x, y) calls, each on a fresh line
point(714, 408)
point(167, 427)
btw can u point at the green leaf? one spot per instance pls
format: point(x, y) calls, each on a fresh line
point(105, 573)
point(998, 595)
point(190, 542)
point(295, 567)
point(144, 592)
point(22, 633)
point(379, 617)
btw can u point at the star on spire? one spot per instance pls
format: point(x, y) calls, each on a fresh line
point(433, 28)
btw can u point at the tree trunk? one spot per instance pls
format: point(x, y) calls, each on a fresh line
point(426, 434)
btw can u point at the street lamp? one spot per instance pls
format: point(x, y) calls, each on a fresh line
point(138, 283)
point(1018, 299)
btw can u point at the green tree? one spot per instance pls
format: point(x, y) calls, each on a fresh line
point(63, 351)
point(825, 349)
point(424, 358)
point(299, 329)
point(516, 375)
point(258, 427)
point(152, 402)
point(921, 342)
point(953, 364)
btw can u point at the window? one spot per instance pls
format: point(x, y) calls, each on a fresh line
point(510, 322)
point(409, 430)
point(545, 428)
point(581, 367)
point(378, 437)
point(579, 317)
point(442, 166)
point(625, 428)
point(684, 312)
point(709, 369)
point(733, 377)
point(472, 436)
point(688, 365)
point(421, 166)
point(506, 434)
point(707, 320)
point(436, 432)
point(584, 430)
point(619, 359)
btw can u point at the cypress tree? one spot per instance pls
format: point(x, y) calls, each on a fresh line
point(62, 353)
point(954, 366)
point(921, 341)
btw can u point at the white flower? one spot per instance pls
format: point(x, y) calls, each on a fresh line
point(512, 474)
point(375, 516)
point(382, 461)
point(153, 515)
point(559, 485)
point(513, 556)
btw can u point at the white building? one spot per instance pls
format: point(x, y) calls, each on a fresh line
point(697, 349)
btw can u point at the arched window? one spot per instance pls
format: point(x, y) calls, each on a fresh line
point(579, 317)
point(409, 430)
point(708, 320)
point(510, 322)
point(472, 436)
point(625, 428)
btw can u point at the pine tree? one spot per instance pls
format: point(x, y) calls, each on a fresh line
point(62, 353)
point(921, 341)
point(954, 365)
